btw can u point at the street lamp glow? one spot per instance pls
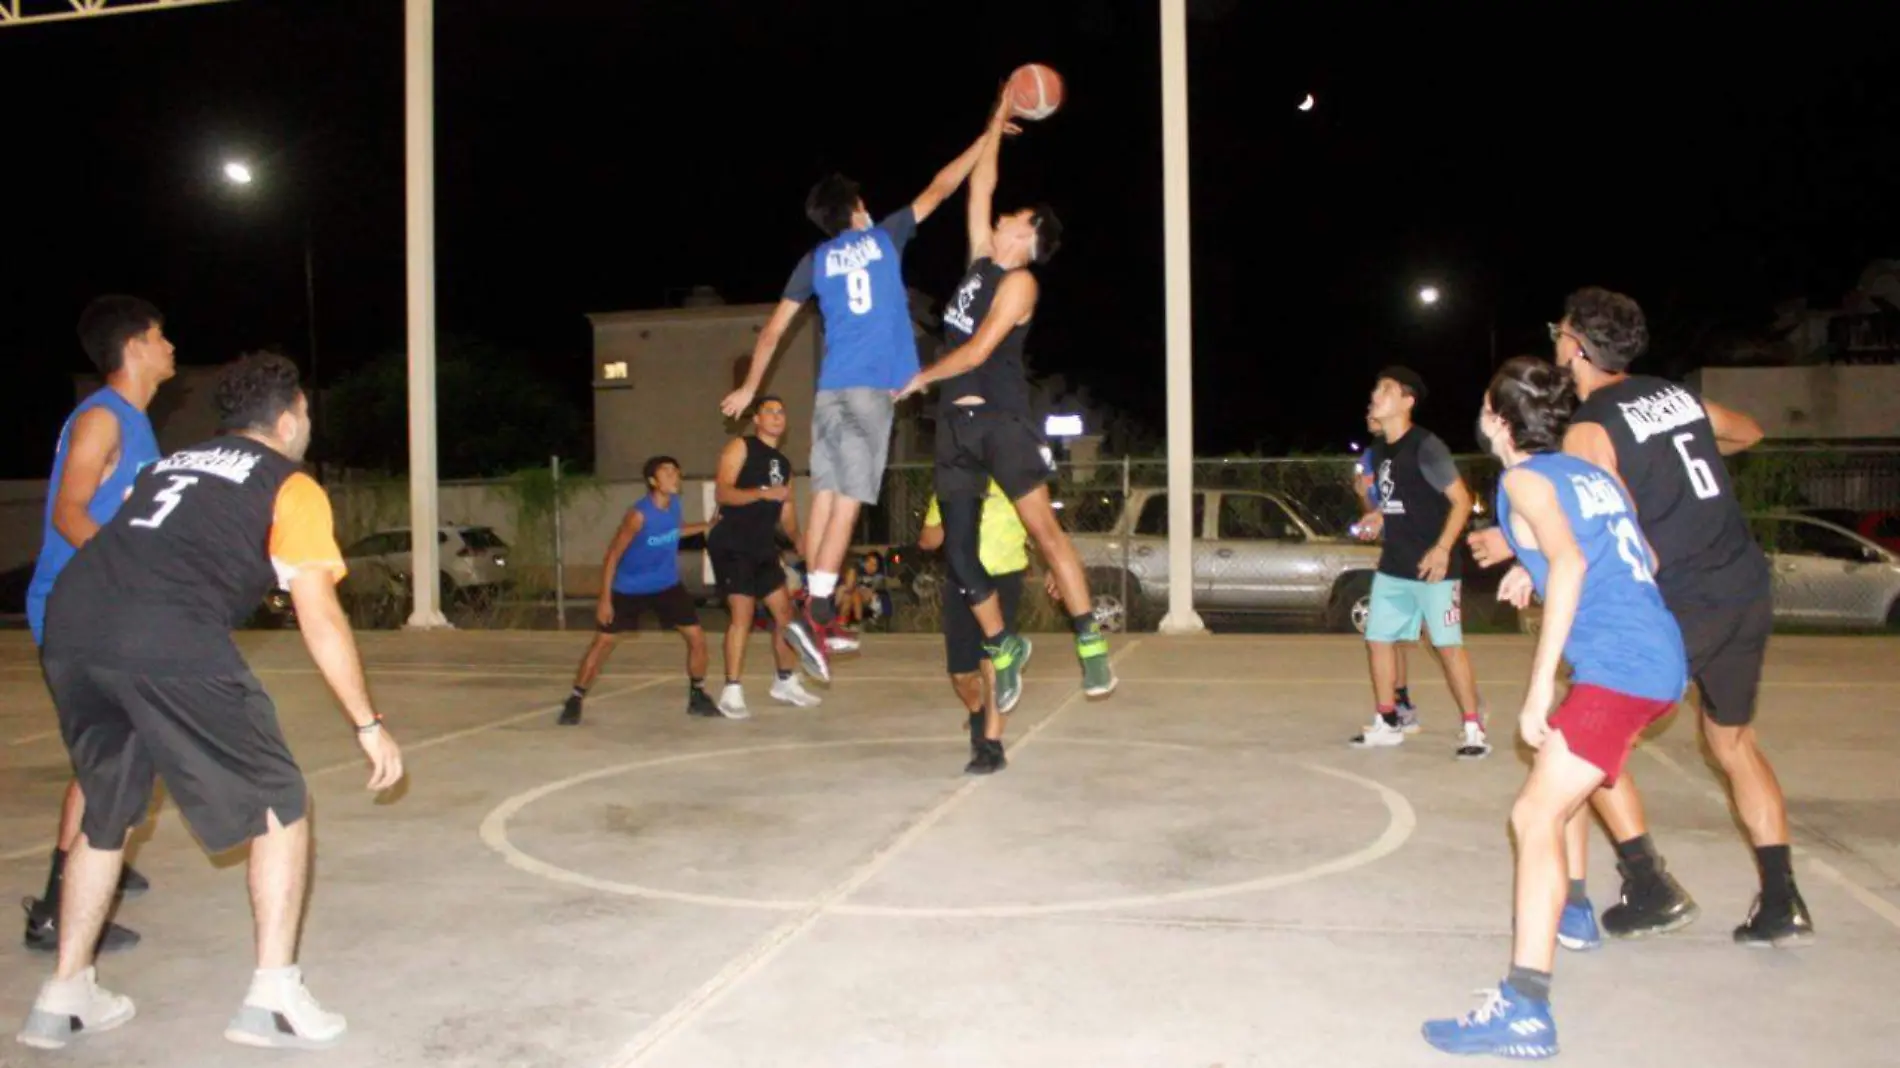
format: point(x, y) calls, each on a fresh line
point(1428, 295)
point(237, 173)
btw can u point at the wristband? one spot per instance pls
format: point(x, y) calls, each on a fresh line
point(375, 724)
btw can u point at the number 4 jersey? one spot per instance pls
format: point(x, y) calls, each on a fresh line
point(1666, 453)
point(1623, 637)
point(199, 541)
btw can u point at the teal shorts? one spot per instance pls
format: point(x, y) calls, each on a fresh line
point(1400, 605)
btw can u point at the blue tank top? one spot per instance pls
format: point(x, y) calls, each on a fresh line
point(138, 447)
point(651, 563)
point(1624, 637)
point(858, 278)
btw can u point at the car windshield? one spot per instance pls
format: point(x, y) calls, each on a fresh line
point(482, 538)
point(1306, 515)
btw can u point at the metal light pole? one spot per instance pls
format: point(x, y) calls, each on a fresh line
point(1180, 618)
point(241, 175)
point(419, 185)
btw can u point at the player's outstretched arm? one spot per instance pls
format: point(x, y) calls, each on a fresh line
point(979, 206)
point(1734, 431)
point(736, 402)
point(1534, 498)
point(1015, 302)
point(91, 448)
point(332, 645)
point(958, 170)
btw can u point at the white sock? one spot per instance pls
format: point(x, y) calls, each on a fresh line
point(822, 583)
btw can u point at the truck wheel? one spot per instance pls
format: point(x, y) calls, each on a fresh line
point(1112, 614)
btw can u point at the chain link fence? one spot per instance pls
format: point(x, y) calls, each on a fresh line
point(1273, 545)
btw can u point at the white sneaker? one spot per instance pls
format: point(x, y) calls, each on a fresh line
point(732, 702)
point(1379, 735)
point(67, 1009)
point(792, 692)
point(1473, 746)
point(279, 1013)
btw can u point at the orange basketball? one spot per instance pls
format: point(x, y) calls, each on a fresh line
point(1035, 91)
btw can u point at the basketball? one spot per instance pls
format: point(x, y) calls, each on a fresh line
point(1035, 91)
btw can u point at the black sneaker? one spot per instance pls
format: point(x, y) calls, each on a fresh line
point(131, 883)
point(1783, 924)
point(1649, 906)
point(42, 931)
point(986, 759)
point(570, 712)
point(700, 703)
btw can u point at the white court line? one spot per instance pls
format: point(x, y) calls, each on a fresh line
point(28, 739)
point(407, 748)
point(762, 953)
point(1876, 904)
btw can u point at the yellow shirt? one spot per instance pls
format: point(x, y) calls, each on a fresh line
point(1002, 542)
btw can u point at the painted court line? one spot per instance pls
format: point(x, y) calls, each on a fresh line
point(1875, 904)
point(28, 739)
point(767, 949)
point(407, 748)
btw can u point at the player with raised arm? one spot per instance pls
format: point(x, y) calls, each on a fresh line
point(1575, 529)
point(985, 429)
point(857, 276)
point(149, 685)
point(754, 491)
point(1666, 445)
point(106, 441)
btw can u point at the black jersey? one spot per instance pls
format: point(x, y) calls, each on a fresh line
point(1413, 474)
point(747, 527)
point(1000, 380)
point(200, 540)
point(1666, 453)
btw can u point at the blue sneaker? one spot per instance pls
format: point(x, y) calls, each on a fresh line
point(1577, 928)
point(1508, 1024)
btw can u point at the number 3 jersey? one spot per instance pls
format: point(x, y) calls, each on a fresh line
point(1667, 455)
point(199, 541)
point(1623, 638)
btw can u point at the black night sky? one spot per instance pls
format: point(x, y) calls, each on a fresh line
point(600, 155)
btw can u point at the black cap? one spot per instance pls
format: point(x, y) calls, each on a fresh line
point(1408, 380)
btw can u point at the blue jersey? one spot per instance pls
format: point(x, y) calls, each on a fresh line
point(651, 563)
point(1624, 637)
point(138, 447)
point(858, 278)
point(1363, 468)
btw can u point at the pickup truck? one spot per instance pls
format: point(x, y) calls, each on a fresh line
point(1255, 552)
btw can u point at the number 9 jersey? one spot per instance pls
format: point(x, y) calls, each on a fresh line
point(858, 278)
point(200, 540)
point(1623, 638)
point(1666, 453)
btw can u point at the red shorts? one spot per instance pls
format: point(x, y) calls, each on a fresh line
point(1601, 725)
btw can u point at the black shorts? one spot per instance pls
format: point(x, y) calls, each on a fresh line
point(752, 574)
point(1726, 645)
point(214, 739)
point(962, 638)
point(673, 607)
point(977, 444)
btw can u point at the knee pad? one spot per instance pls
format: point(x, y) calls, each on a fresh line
point(961, 520)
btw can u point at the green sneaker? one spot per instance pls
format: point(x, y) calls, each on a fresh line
point(1009, 657)
point(1098, 678)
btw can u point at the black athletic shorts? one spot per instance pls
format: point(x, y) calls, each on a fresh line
point(672, 606)
point(976, 444)
point(962, 638)
point(747, 574)
point(214, 739)
point(1726, 645)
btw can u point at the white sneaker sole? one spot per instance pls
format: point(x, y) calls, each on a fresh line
point(50, 1030)
point(256, 1027)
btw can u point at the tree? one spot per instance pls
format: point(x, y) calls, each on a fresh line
point(497, 410)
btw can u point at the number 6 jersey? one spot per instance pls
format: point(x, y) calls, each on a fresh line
point(1666, 453)
point(1623, 637)
point(199, 541)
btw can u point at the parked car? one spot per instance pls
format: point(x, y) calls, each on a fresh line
point(1255, 552)
point(1827, 575)
point(473, 562)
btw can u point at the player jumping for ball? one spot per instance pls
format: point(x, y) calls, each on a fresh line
point(1575, 530)
point(985, 431)
point(857, 275)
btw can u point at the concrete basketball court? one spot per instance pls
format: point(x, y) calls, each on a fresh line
point(1197, 872)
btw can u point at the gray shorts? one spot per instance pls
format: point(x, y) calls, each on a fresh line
point(851, 441)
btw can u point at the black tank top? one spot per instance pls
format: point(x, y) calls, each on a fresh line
point(999, 380)
point(1685, 502)
point(749, 527)
point(1414, 509)
point(187, 558)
